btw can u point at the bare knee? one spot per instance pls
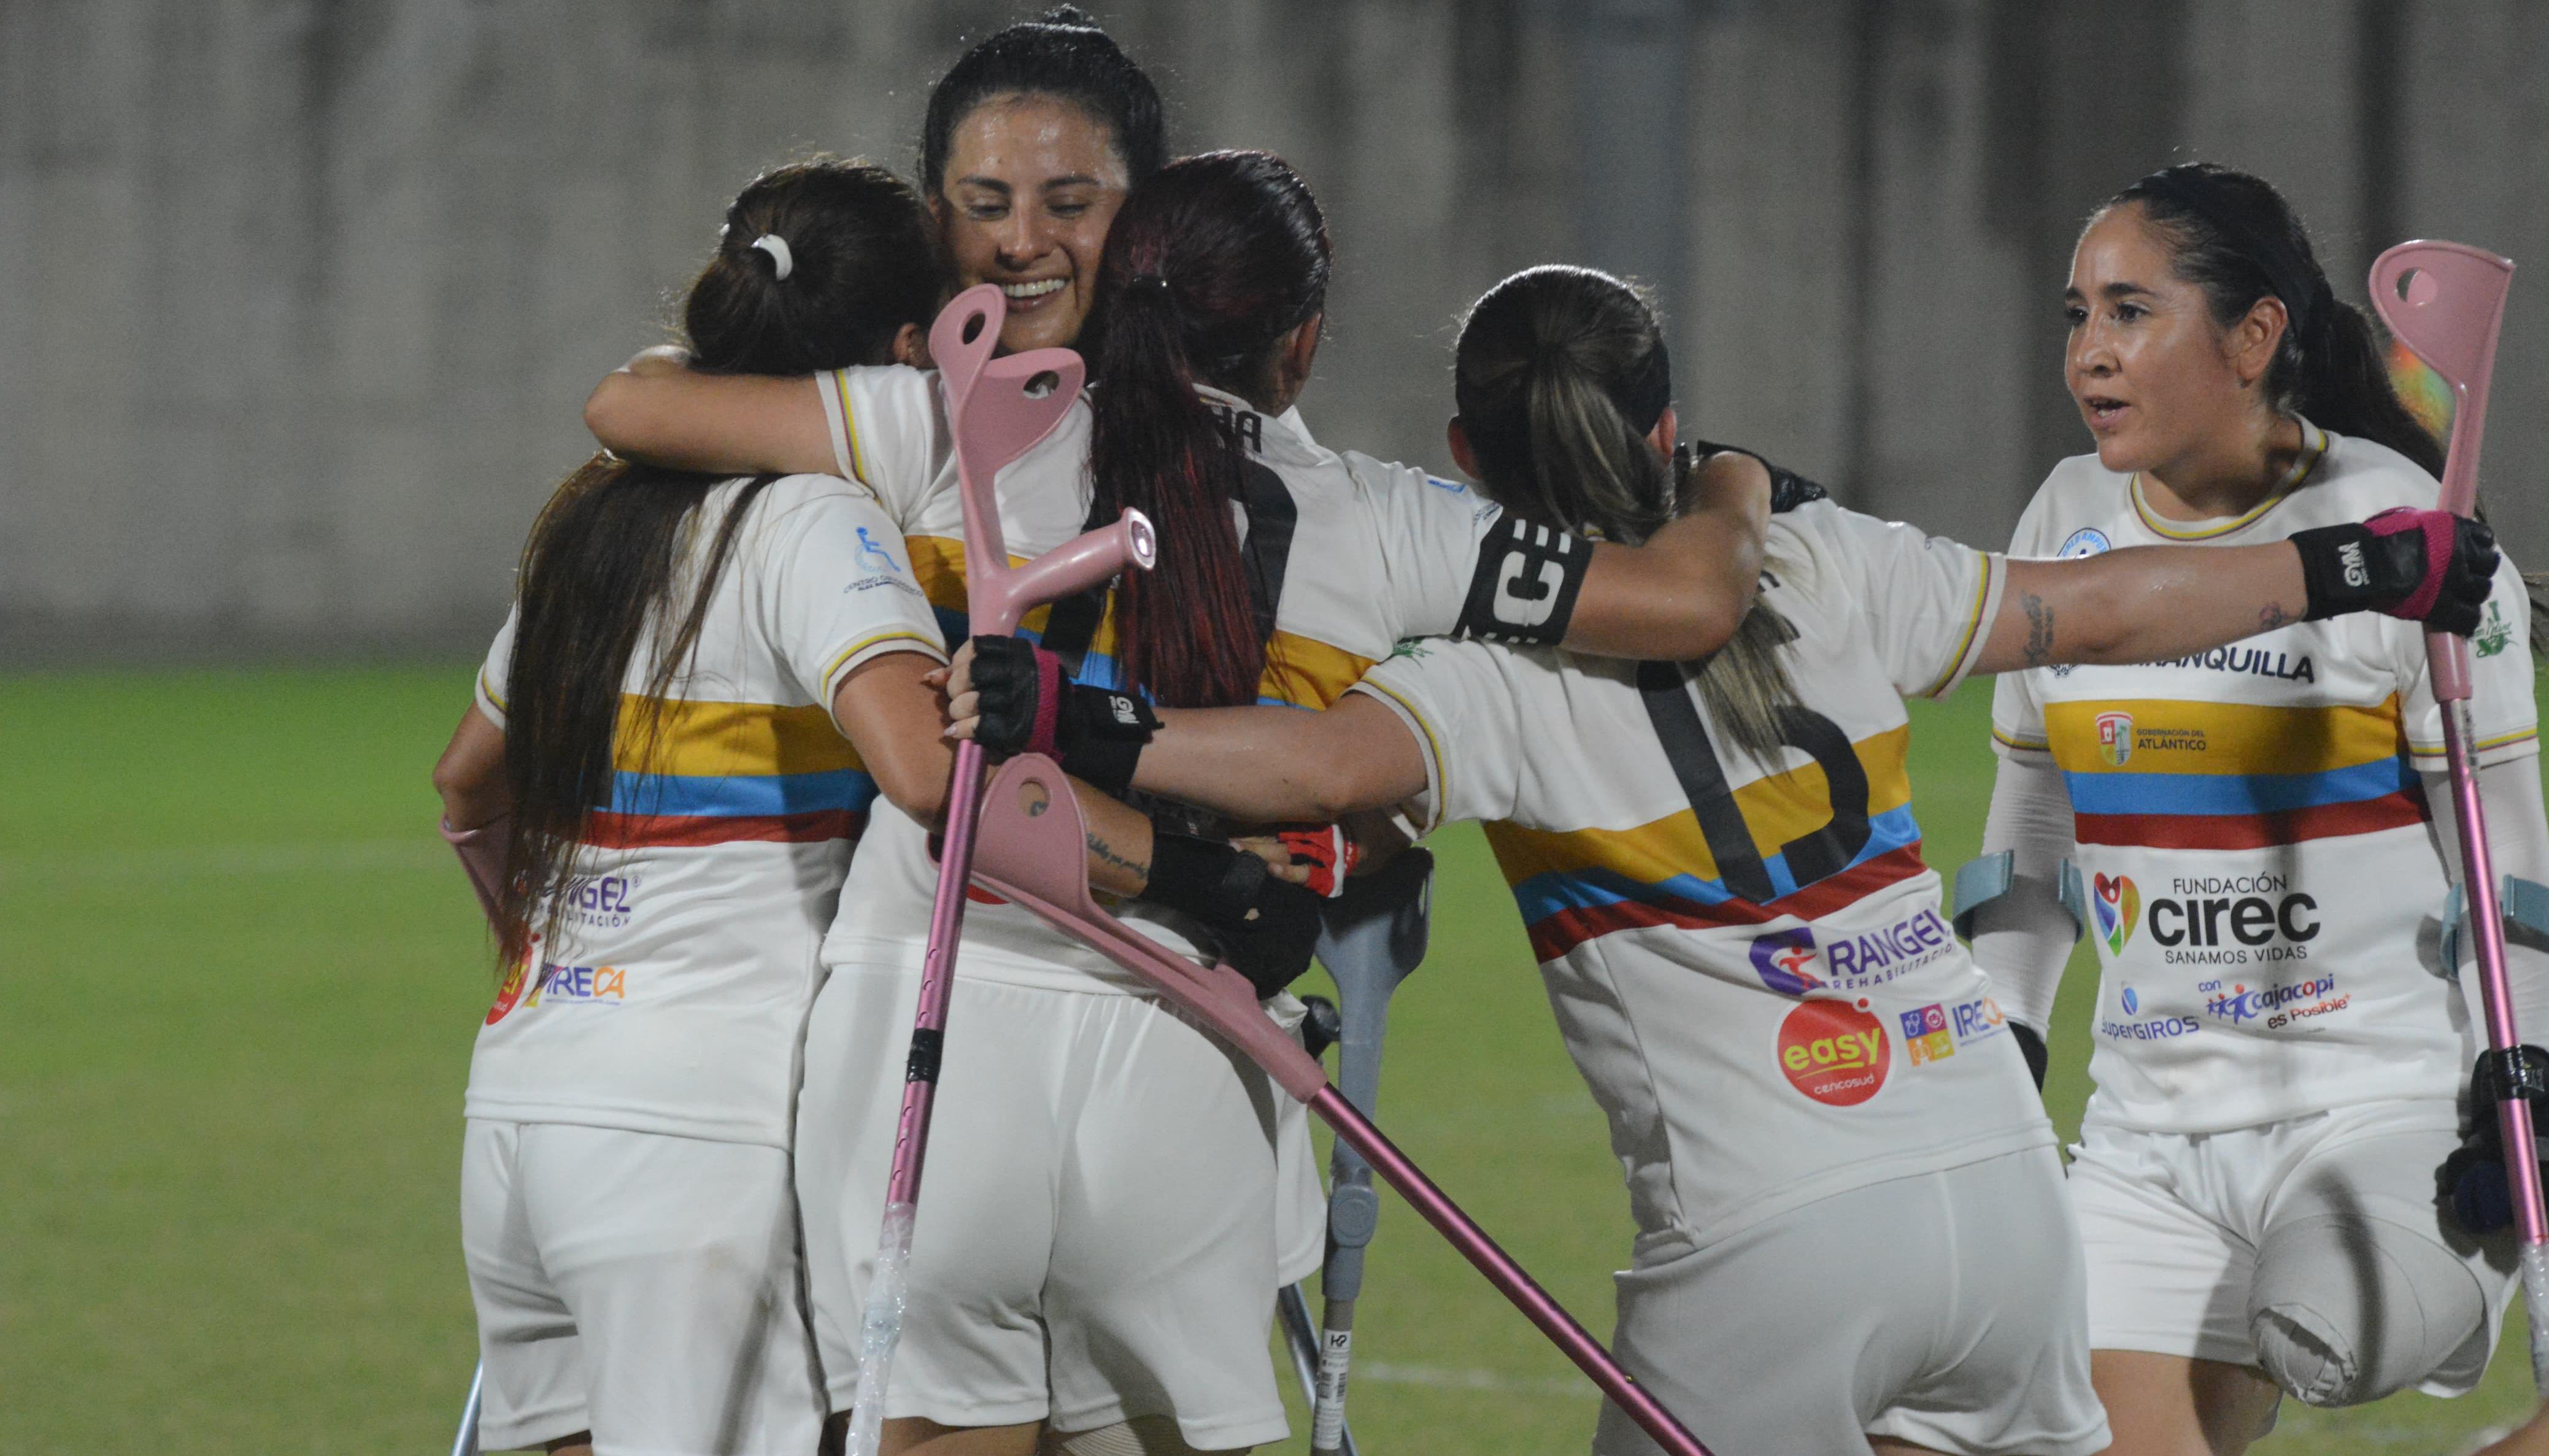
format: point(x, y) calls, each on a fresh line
point(1143, 1435)
point(2172, 1405)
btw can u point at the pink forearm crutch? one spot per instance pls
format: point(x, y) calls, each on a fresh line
point(1032, 851)
point(2445, 301)
point(997, 410)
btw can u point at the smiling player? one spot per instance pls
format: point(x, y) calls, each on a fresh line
point(2278, 1045)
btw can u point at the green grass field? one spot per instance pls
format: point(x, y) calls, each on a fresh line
point(239, 978)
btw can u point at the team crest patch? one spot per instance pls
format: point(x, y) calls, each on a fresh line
point(2116, 905)
point(2115, 737)
point(2085, 541)
point(1833, 1052)
point(2492, 634)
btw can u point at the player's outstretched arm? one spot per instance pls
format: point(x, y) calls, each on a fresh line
point(1680, 595)
point(1262, 765)
point(657, 410)
point(2148, 604)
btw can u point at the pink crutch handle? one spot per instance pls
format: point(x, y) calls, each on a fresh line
point(2445, 300)
point(997, 409)
point(1000, 599)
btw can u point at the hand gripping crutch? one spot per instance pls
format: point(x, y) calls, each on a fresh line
point(1372, 938)
point(1032, 851)
point(2445, 301)
point(997, 410)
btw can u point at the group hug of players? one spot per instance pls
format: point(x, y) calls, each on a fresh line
point(697, 784)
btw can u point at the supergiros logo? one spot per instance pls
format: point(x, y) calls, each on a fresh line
point(2118, 906)
point(1833, 1052)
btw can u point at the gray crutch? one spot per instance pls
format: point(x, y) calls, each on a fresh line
point(466, 1442)
point(1373, 939)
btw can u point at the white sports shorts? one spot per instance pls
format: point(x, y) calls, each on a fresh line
point(639, 1286)
point(2172, 1221)
point(1097, 1236)
point(1943, 1309)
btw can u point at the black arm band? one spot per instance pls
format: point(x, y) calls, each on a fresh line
point(1525, 586)
point(1788, 489)
point(1103, 733)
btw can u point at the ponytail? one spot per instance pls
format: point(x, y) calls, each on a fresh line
point(1187, 628)
point(820, 265)
point(1211, 264)
point(1560, 375)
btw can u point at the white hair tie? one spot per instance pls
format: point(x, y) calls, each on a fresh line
point(777, 246)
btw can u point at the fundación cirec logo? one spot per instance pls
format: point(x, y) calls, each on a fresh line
point(2116, 905)
point(2115, 737)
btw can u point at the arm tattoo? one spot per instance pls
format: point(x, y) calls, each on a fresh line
point(2039, 629)
point(1106, 853)
point(2273, 617)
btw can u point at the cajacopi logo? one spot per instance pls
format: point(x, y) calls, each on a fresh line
point(1833, 1052)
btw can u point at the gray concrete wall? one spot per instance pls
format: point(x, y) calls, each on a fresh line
point(298, 301)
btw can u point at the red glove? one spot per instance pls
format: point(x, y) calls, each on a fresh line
point(1330, 853)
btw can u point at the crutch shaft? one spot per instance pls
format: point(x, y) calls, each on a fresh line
point(1507, 1276)
point(2487, 931)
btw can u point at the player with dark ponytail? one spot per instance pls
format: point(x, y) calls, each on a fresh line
point(2263, 837)
point(675, 740)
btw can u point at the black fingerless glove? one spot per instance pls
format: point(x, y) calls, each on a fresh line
point(1267, 929)
point(1028, 705)
point(2427, 565)
point(2472, 1182)
point(1788, 489)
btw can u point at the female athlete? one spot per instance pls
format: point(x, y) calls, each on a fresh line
point(662, 719)
point(1849, 1207)
point(2278, 1043)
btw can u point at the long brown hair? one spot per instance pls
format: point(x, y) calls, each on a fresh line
point(1559, 376)
point(1211, 262)
point(603, 569)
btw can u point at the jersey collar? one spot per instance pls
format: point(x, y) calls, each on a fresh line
point(2314, 450)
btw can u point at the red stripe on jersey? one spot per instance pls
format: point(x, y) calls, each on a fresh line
point(2252, 831)
point(1553, 935)
point(612, 831)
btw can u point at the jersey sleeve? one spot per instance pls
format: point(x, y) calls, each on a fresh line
point(1457, 702)
point(2504, 717)
point(1430, 531)
point(842, 591)
point(1923, 601)
point(889, 432)
point(490, 690)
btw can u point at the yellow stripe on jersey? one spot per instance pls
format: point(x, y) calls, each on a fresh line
point(1308, 673)
point(2010, 740)
point(2175, 736)
point(850, 423)
point(720, 740)
point(919, 643)
point(1973, 624)
point(498, 699)
point(1785, 806)
point(2434, 750)
point(938, 565)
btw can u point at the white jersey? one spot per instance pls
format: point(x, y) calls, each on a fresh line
point(2250, 825)
point(675, 992)
point(1748, 962)
point(1345, 556)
